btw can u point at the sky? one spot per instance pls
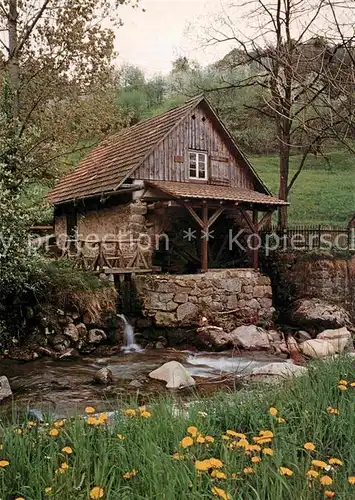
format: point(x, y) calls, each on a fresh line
point(166, 30)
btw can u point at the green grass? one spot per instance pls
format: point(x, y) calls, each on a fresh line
point(324, 193)
point(100, 458)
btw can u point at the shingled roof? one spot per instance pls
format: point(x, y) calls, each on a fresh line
point(181, 190)
point(108, 165)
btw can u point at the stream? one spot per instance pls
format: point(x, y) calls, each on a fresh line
point(65, 387)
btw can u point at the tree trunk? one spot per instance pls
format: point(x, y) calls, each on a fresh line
point(284, 173)
point(13, 62)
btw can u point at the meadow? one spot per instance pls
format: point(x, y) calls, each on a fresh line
point(292, 441)
point(324, 193)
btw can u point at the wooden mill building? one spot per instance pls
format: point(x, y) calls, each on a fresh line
point(169, 194)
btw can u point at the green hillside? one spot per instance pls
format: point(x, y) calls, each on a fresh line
point(324, 193)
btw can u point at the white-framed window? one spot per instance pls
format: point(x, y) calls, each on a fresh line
point(198, 165)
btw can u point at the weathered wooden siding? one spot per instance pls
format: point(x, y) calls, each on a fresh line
point(169, 161)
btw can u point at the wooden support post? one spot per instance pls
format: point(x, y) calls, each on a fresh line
point(255, 239)
point(204, 238)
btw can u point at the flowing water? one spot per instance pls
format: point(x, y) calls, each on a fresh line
point(64, 387)
point(129, 339)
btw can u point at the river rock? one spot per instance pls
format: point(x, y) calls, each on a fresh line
point(302, 335)
point(82, 331)
point(71, 332)
point(174, 374)
point(317, 348)
point(250, 337)
point(103, 376)
point(273, 371)
point(60, 343)
point(5, 389)
point(213, 337)
point(316, 315)
point(340, 338)
point(95, 336)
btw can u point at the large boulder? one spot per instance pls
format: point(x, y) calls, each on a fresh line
point(174, 374)
point(96, 336)
point(5, 389)
point(340, 338)
point(317, 348)
point(59, 342)
point(103, 376)
point(277, 371)
point(71, 332)
point(250, 338)
point(316, 315)
point(213, 338)
point(187, 313)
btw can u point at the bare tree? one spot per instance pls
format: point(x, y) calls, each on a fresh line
point(287, 56)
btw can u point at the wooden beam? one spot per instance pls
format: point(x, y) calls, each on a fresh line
point(194, 214)
point(204, 240)
point(265, 220)
point(215, 216)
point(247, 219)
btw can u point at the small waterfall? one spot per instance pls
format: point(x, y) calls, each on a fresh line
point(129, 340)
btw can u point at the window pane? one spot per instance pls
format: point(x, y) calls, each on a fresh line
point(193, 172)
point(201, 157)
point(202, 172)
point(193, 157)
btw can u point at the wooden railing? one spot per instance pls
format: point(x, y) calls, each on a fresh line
point(110, 256)
point(314, 237)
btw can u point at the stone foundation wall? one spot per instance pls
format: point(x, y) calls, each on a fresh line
point(298, 275)
point(228, 298)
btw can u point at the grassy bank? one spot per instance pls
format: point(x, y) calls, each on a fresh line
point(159, 453)
point(323, 193)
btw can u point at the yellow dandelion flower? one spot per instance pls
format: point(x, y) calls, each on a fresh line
point(216, 463)
point(352, 384)
point(342, 387)
point(203, 465)
point(254, 447)
point(218, 492)
point(234, 475)
point(192, 431)
point(309, 446)
point(186, 442)
point(242, 443)
point(19, 498)
point(31, 424)
point(326, 481)
point(225, 437)
point(280, 420)
point(130, 412)
point(248, 470)
point(266, 434)
point(209, 439)
point(343, 382)
point(1, 446)
point(273, 411)
point(58, 424)
point(96, 493)
point(146, 414)
point(18, 431)
point(239, 435)
point(351, 479)
point(64, 466)
point(178, 456)
point(262, 440)
point(89, 410)
point(332, 411)
point(121, 437)
point(67, 450)
point(129, 475)
point(54, 432)
point(335, 461)
point(4, 463)
point(48, 490)
point(268, 451)
point(312, 474)
point(319, 463)
point(285, 471)
point(256, 460)
point(217, 474)
point(329, 494)
point(200, 439)
point(92, 421)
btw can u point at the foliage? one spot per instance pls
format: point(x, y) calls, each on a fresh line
point(324, 194)
point(161, 451)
